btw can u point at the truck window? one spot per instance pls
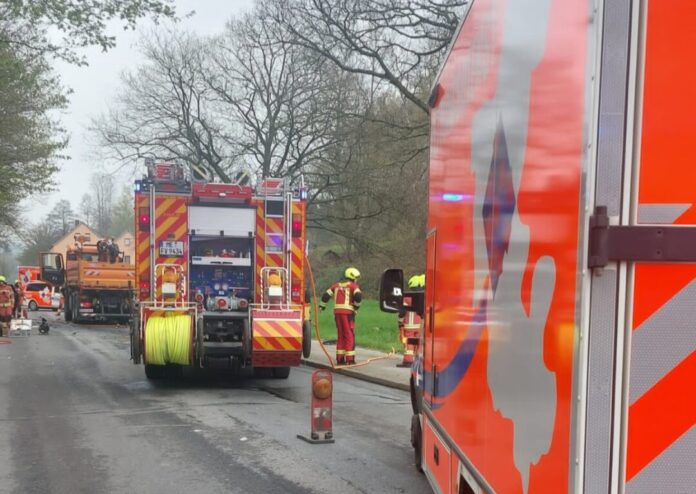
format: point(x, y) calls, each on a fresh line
point(35, 287)
point(52, 261)
point(274, 242)
point(275, 208)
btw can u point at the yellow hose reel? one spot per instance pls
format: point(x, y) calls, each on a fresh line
point(168, 339)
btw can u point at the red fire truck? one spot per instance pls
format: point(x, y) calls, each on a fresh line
point(222, 266)
point(559, 348)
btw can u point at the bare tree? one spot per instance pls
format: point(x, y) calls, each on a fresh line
point(97, 206)
point(164, 109)
point(62, 217)
point(278, 95)
point(375, 182)
point(36, 239)
point(59, 28)
point(396, 41)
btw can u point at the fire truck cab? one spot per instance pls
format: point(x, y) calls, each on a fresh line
point(230, 258)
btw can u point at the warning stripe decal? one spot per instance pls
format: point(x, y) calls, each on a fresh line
point(171, 223)
point(298, 246)
point(667, 412)
point(277, 259)
point(142, 260)
point(297, 259)
point(277, 335)
point(260, 248)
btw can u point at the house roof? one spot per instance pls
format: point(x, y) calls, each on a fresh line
point(71, 233)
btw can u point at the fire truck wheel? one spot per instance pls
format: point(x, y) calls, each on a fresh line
point(417, 442)
point(173, 371)
point(306, 339)
point(75, 306)
point(67, 309)
point(246, 340)
point(155, 371)
point(32, 306)
point(281, 372)
point(135, 339)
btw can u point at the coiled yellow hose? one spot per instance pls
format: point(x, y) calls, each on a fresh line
point(168, 339)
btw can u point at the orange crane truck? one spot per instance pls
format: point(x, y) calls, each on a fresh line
point(220, 274)
point(559, 346)
point(96, 286)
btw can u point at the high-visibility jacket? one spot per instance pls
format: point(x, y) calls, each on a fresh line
point(410, 325)
point(6, 300)
point(347, 297)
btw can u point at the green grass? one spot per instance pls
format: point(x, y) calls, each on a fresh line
point(373, 328)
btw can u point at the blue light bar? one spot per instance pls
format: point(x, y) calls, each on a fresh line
point(452, 197)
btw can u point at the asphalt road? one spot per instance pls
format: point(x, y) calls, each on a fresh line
point(76, 416)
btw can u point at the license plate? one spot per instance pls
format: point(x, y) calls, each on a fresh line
point(86, 311)
point(171, 248)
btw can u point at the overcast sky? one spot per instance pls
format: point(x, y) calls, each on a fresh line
point(95, 88)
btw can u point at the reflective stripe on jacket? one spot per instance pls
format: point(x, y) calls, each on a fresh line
point(347, 296)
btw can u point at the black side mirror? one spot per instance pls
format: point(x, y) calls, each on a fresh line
point(391, 290)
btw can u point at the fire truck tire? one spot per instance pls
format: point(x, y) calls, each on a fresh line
point(32, 306)
point(75, 307)
point(306, 339)
point(173, 371)
point(246, 340)
point(417, 442)
point(155, 371)
point(281, 372)
point(135, 339)
point(67, 309)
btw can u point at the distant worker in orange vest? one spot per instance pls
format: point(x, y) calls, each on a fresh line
point(410, 323)
point(347, 299)
point(7, 299)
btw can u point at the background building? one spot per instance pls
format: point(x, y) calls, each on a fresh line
point(126, 243)
point(68, 240)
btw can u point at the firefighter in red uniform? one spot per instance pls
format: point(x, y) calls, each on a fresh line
point(347, 301)
point(410, 323)
point(6, 305)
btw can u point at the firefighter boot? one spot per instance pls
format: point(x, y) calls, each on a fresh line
point(408, 357)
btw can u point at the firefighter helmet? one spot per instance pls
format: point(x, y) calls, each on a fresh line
point(352, 274)
point(2, 278)
point(417, 281)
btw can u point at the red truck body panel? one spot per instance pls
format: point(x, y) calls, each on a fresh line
point(538, 374)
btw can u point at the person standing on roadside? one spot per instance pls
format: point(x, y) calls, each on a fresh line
point(6, 305)
point(347, 299)
point(19, 298)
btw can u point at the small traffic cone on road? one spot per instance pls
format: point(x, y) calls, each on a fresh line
point(321, 409)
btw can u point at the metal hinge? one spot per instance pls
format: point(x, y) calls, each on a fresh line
point(638, 243)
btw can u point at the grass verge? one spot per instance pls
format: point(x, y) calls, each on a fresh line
point(373, 328)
